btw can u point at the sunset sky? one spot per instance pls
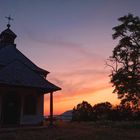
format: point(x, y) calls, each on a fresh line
point(71, 39)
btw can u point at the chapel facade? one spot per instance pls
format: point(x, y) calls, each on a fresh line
point(22, 85)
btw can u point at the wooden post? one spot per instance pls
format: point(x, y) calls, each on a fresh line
point(51, 108)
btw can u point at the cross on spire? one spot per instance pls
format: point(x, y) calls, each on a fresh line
point(9, 19)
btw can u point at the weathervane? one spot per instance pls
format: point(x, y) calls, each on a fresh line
point(9, 19)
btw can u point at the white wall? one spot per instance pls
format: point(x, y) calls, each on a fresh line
point(26, 119)
point(33, 119)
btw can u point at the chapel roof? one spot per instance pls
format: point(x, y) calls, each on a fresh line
point(9, 53)
point(19, 74)
point(17, 70)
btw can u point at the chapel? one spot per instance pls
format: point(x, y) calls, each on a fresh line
point(22, 85)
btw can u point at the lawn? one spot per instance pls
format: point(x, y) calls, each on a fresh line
point(76, 131)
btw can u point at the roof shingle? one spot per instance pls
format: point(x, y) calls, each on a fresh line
point(19, 74)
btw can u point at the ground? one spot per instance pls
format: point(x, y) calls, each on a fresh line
point(76, 131)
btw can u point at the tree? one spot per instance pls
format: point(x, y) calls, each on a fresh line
point(102, 110)
point(125, 60)
point(83, 112)
point(121, 112)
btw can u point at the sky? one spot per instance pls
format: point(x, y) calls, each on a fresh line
point(71, 39)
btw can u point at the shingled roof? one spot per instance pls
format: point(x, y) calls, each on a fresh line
point(19, 74)
point(17, 70)
point(10, 53)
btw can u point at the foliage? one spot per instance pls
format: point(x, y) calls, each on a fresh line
point(104, 111)
point(82, 112)
point(125, 60)
point(121, 112)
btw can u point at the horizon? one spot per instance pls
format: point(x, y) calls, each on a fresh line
point(72, 40)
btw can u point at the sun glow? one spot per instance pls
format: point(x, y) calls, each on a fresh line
point(63, 103)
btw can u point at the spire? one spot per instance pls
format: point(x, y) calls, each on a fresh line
point(7, 37)
point(9, 19)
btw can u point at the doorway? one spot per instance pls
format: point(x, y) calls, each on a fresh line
point(11, 104)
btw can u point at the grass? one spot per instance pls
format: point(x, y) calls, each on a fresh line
point(104, 130)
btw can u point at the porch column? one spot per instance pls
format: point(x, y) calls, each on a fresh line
point(51, 108)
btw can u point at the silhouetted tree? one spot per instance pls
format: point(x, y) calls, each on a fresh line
point(136, 115)
point(102, 110)
point(125, 60)
point(114, 114)
point(83, 112)
point(125, 111)
point(121, 112)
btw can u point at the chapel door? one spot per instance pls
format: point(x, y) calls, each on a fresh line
point(11, 109)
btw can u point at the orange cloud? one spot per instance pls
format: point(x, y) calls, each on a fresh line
point(82, 77)
point(62, 102)
point(89, 85)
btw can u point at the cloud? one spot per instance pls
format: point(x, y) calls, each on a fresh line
point(83, 74)
point(86, 92)
point(82, 81)
point(60, 43)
